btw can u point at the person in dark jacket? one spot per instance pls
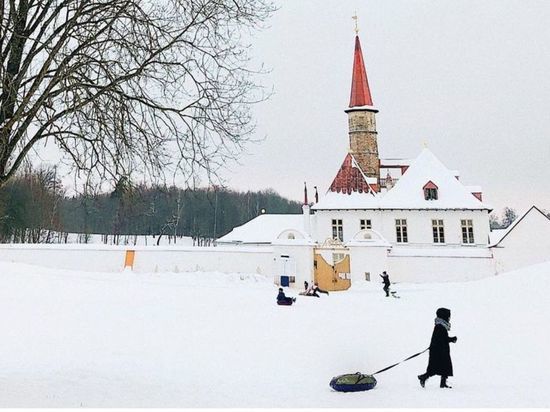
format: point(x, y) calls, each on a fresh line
point(283, 300)
point(313, 289)
point(316, 289)
point(440, 355)
point(386, 279)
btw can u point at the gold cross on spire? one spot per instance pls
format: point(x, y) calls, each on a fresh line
point(354, 17)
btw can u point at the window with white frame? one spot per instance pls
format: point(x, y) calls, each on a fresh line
point(337, 229)
point(467, 231)
point(365, 224)
point(438, 231)
point(401, 230)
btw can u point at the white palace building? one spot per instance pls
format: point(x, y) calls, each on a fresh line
point(411, 217)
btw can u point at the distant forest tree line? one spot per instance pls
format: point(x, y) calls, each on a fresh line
point(35, 208)
point(509, 215)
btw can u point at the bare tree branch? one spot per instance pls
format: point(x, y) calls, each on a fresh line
point(125, 86)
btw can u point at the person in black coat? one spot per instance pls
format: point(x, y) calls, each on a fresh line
point(283, 300)
point(440, 354)
point(386, 279)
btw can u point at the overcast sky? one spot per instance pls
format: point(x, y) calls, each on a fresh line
point(470, 78)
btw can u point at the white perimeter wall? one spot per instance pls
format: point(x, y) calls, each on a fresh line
point(302, 267)
point(419, 224)
point(147, 259)
point(438, 269)
point(367, 259)
point(205, 259)
point(77, 257)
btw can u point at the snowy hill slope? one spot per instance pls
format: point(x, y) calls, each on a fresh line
point(214, 340)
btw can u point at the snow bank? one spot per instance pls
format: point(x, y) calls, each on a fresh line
point(94, 339)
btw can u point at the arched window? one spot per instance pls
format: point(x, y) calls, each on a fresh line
point(430, 191)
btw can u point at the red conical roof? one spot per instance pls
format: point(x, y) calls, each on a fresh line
point(360, 92)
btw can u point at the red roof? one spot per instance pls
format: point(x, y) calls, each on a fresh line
point(349, 178)
point(430, 185)
point(360, 92)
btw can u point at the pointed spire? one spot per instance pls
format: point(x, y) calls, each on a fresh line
point(305, 194)
point(360, 92)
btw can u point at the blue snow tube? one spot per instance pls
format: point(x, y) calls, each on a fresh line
point(353, 382)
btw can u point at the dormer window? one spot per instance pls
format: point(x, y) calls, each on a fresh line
point(430, 191)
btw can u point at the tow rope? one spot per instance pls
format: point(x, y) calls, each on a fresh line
point(404, 360)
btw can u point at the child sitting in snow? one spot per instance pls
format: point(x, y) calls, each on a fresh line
point(283, 300)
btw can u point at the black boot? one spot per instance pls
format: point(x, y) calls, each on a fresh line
point(422, 378)
point(444, 383)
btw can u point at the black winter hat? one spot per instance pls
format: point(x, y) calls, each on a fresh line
point(443, 313)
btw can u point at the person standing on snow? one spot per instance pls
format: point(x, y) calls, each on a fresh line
point(386, 279)
point(440, 354)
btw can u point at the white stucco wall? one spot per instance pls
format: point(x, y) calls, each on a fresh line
point(147, 259)
point(367, 259)
point(101, 258)
point(301, 267)
point(205, 259)
point(527, 243)
point(419, 224)
point(438, 269)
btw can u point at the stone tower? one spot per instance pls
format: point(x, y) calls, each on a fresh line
point(363, 143)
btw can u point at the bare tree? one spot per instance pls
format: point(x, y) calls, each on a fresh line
point(128, 85)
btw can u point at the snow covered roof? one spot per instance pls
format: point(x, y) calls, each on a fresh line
point(407, 192)
point(395, 162)
point(354, 200)
point(264, 229)
point(496, 234)
point(533, 210)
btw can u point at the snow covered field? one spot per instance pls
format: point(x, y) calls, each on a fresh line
point(74, 339)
